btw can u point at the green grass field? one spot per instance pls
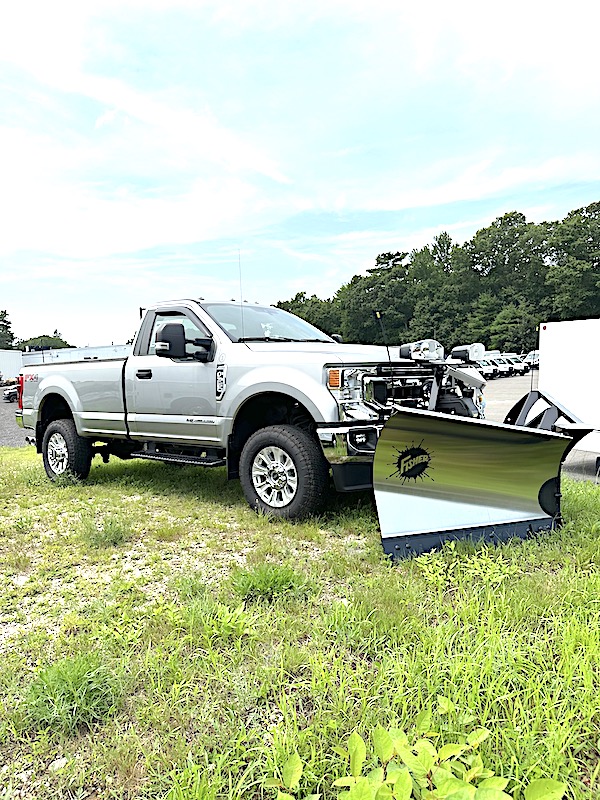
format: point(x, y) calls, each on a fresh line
point(159, 640)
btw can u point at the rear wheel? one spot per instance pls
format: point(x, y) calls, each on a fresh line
point(283, 472)
point(64, 452)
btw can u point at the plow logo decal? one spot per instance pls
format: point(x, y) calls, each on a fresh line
point(412, 463)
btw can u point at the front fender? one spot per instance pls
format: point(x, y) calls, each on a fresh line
point(313, 395)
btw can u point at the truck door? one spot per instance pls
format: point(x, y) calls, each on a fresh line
point(171, 399)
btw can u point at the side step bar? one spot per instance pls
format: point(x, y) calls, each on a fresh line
point(175, 458)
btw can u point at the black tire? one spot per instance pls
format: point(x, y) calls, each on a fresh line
point(65, 453)
point(283, 472)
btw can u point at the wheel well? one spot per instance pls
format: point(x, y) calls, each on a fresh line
point(270, 408)
point(53, 407)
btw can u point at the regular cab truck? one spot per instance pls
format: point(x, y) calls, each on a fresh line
point(282, 406)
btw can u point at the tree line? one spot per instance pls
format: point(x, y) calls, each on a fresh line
point(494, 289)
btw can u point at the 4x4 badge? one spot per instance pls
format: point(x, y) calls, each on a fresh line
point(412, 463)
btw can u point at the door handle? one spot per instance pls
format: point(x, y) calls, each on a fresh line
point(144, 374)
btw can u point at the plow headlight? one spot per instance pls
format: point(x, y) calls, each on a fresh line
point(424, 350)
point(468, 352)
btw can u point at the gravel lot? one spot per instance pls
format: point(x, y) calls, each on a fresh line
point(10, 433)
point(501, 394)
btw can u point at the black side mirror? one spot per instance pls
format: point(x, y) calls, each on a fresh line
point(337, 338)
point(170, 341)
point(205, 354)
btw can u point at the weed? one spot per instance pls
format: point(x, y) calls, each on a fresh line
point(268, 582)
point(107, 532)
point(72, 693)
point(400, 769)
point(218, 624)
point(190, 586)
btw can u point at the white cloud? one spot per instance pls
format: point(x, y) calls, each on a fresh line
point(353, 107)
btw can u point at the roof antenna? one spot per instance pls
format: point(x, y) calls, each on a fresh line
point(379, 316)
point(241, 293)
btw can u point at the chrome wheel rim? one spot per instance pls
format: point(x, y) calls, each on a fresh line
point(274, 477)
point(58, 455)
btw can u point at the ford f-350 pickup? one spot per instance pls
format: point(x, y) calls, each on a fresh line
point(262, 392)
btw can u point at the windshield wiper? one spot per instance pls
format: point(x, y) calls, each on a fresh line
point(279, 339)
point(265, 339)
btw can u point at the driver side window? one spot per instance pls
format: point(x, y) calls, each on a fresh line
point(192, 331)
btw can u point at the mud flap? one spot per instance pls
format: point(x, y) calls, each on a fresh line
point(441, 477)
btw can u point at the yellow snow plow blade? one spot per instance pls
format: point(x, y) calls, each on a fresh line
point(440, 477)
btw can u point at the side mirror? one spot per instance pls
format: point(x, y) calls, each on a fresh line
point(203, 355)
point(337, 338)
point(170, 341)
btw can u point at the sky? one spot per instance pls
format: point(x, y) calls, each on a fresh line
point(157, 149)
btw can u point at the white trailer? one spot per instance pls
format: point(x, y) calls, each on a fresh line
point(11, 362)
point(569, 372)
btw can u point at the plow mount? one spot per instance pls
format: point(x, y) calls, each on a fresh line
point(440, 477)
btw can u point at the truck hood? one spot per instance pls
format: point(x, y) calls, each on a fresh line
point(330, 351)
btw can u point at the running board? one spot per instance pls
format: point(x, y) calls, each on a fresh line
point(439, 477)
point(173, 458)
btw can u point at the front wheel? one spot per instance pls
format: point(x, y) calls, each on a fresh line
point(64, 452)
point(283, 472)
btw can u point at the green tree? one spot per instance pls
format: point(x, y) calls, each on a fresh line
point(512, 257)
point(55, 341)
point(484, 311)
point(514, 329)
point(574, 274)
point(443, 287)
point(323, 314)
point(386, 288)
point(7, 337)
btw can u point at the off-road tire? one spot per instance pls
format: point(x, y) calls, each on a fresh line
point(283, 472)
point(65, 453)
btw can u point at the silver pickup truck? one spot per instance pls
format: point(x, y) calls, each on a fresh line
point(251, 387)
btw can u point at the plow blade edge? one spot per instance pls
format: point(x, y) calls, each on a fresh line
point(441, 477)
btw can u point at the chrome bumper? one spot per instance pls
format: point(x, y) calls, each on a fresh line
point(350, 451)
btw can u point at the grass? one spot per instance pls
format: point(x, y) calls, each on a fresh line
point(160, 640)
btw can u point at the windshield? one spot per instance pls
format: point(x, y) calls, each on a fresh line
point(250, 323)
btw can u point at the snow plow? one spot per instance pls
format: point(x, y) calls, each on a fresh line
point(439, 478)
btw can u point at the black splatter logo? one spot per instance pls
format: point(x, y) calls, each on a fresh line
point(412, 463)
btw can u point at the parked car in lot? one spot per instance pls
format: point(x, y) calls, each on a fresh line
point(504, 369)
point(9, 395)
point(519, 367)
point(533, 359)
point(487, 369)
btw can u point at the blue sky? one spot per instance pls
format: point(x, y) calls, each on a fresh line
point(148, 147)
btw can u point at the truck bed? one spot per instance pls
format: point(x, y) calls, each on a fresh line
point(68, 355)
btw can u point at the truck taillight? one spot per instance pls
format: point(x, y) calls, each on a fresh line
point(20, 393)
